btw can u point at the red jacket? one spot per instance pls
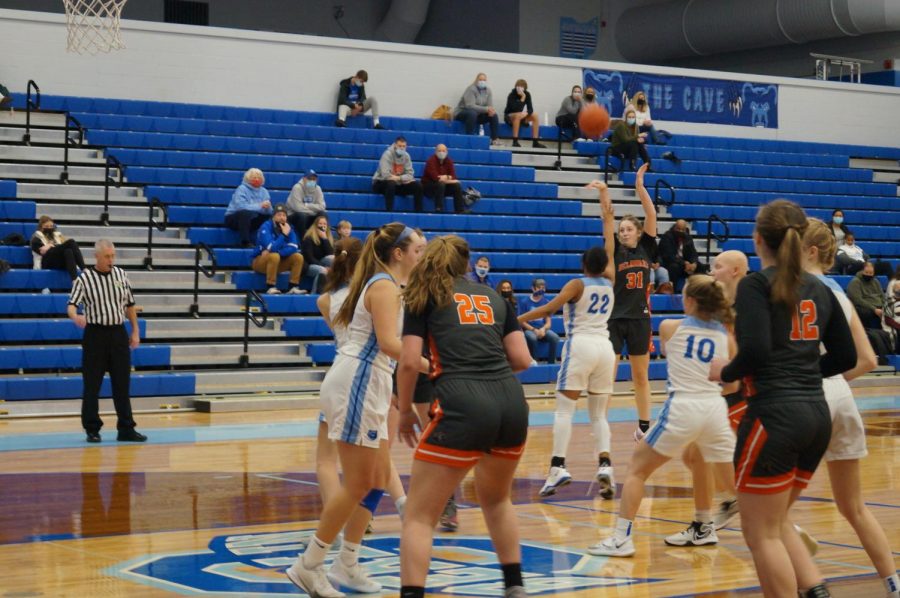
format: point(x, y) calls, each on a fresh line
point(433, 169)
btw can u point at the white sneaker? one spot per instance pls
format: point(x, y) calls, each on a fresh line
point(312, 581)
point(273, 291)
point(353, 578)
point(613, 546)
point(812, 545)
point(607, 483)
point(728, 509)
point(558, 478)
point(638, 434)
point(297, 291)
point(696, 534)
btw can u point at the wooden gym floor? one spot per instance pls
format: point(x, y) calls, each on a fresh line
point(220, 505)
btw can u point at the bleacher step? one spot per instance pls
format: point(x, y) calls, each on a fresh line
point(126, 235)
point(567, 177)
point(17, 118)
point(51, 172)
point(873, 164)
point(549, 161)
point(886, 177)
point(91, 213)
point(14, 135)
point(290, 402)
point(50, 154)
point(180, 304)
point(191, 328)
point(274, 380)
point(169, 280)
point(74, 192)
point(230, 353)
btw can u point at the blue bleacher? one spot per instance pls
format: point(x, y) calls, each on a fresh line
point(7, 189)
point(69, 357)
point(35, 280)
point(28, 388)
point(48, 330)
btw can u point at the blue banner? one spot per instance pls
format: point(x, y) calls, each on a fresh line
point(689, 99)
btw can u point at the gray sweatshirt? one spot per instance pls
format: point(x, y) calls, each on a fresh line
point(390, 164)
point(476, 99)
point(569, 106)
point(301, 202)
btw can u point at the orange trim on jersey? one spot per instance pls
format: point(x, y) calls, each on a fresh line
point(736, 414)
point(802, 478)
point(753, 445)
point(769, 484)
point(513, 453)
point(436, 413)
point(748, 387)
point(435, 358)
point(447, 456)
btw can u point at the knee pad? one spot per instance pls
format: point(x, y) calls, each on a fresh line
point(565, 407)
point(370, 502)
point(597, 407)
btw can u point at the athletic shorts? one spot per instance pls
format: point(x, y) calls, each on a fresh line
point(848, 434)
point(633, 333)
point(701, 420)
point(737, 407)
point(424, 392)
point(780, 445)
point(473, 417)
point(588, 363)
point(355, 398)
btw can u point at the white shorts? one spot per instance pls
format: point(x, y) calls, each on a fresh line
point(588, 363)
point(355, 399)
point(848, 434)
point(702, 420)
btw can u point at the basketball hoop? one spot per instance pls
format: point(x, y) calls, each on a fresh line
point(93, 25)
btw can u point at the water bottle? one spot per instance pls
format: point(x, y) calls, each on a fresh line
point(481, 131)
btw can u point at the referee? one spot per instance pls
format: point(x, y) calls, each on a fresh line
point(106, 295)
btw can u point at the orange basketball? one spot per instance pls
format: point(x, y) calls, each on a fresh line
point(593, 120)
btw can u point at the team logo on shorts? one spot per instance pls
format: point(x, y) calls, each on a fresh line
point(254, 565)
point(372, 434)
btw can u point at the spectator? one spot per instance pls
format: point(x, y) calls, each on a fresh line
point(476, 107)
point(5, 98)
point(590, 97)
point(305, 202)
point(277, 251)
point(344, 229)
point(318, 251)
point(538, 331)
point(850, 256)
point(439, 180)
point(837, 226)
point(519, 110)
point(867, 297)
point(642, 116)
point(627, 142)
point(395, 175)
point(482, 271)
point(352, 100)
point(677, 254)
point(893, 287)
point(567, 117)
point(52, 251)
point(250, 206)
point(506, 291)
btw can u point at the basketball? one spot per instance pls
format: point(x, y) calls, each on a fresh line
point(593, 120)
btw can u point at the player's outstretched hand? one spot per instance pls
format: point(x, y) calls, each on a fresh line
point(639, 180)
point(408, 423)
point(597, 184)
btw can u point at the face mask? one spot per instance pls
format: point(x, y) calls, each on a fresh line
point(576, 95)
point(868, 277)
point(255, 183)
point(359, 83)
point(679, 233)
point(441, 155)
point(48, 231)
point(630, 121)
point(641, 102)
point(310, 185)
point(399, 152)
point(506, 294)
point(838, 219)
point(589, 96)
point(539, 292)
point(481, 84)
point(519, 89)
point(322, 228)
point(481, 271)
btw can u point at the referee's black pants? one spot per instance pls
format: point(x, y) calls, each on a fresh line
point(105, 349)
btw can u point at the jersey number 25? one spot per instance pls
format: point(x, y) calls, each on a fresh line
point(474, 309)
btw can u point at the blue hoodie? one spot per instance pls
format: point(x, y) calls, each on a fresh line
point(270, 238)
point(249, 198)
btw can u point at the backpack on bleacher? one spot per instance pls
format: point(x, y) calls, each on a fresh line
point(14, 239)
point(471, 196)
point(442, 112)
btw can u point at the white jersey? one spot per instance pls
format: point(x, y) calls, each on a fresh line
point(843, 300)
point(689, 352)
point(337, 300)
point(361, 342)
point(590, 314)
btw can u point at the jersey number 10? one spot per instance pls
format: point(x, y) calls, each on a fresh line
point(474, 309)
point(706, 348)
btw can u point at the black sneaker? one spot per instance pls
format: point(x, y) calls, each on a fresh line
point(538, 144)
point(340, 123)
point(94, 437)
point(516, 143)
point(131, 436)
point(819, 591)
point(378, 126)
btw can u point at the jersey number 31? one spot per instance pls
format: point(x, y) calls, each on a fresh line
point(474, 309)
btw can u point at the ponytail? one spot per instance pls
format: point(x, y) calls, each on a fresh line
point(781, 225)
point(711, 298)
point(819, 235)
point(346, 254)
point(431, 281)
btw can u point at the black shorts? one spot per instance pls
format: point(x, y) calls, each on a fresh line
point(633, 333)
point(780, 444)
point(424, 392)
point(737, 407)
point(473, 417)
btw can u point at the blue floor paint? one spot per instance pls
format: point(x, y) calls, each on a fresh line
point(308, 429)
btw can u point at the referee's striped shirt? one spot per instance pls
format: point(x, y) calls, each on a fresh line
point(103, 295)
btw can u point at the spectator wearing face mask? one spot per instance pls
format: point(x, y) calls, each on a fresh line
point(867, 296)
point(567, 117)
point(538, 331)
point(520, 111)
point(505, 288)
point(677, 254)
point(481, 271)
point(352, 100)
point(306, 201)
point(641, 107)
point(837, 226)
point(318, 251)
point(52, 251)
point(250, 206)
point(628, 142)
point(439, 180)
point(476, 107)
point(395, 175)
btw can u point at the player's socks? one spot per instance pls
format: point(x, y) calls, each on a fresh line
point(412, 592)
point(892, 585)
point(557, 461)
point(512, 574)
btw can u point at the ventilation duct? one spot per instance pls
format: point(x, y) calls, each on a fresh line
point(403, 21)
point(681, 28)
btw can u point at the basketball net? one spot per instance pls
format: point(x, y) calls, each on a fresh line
point(93, 25)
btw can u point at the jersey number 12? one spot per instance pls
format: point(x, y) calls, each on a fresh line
point(474, 309)
point(803, 323)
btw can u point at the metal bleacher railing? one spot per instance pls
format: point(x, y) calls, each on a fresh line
point(111, 162)
point(67, 142)
point(156, 207)
point(710, 235)
point(208, 272)
point(29, 105)
point(250, 311)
